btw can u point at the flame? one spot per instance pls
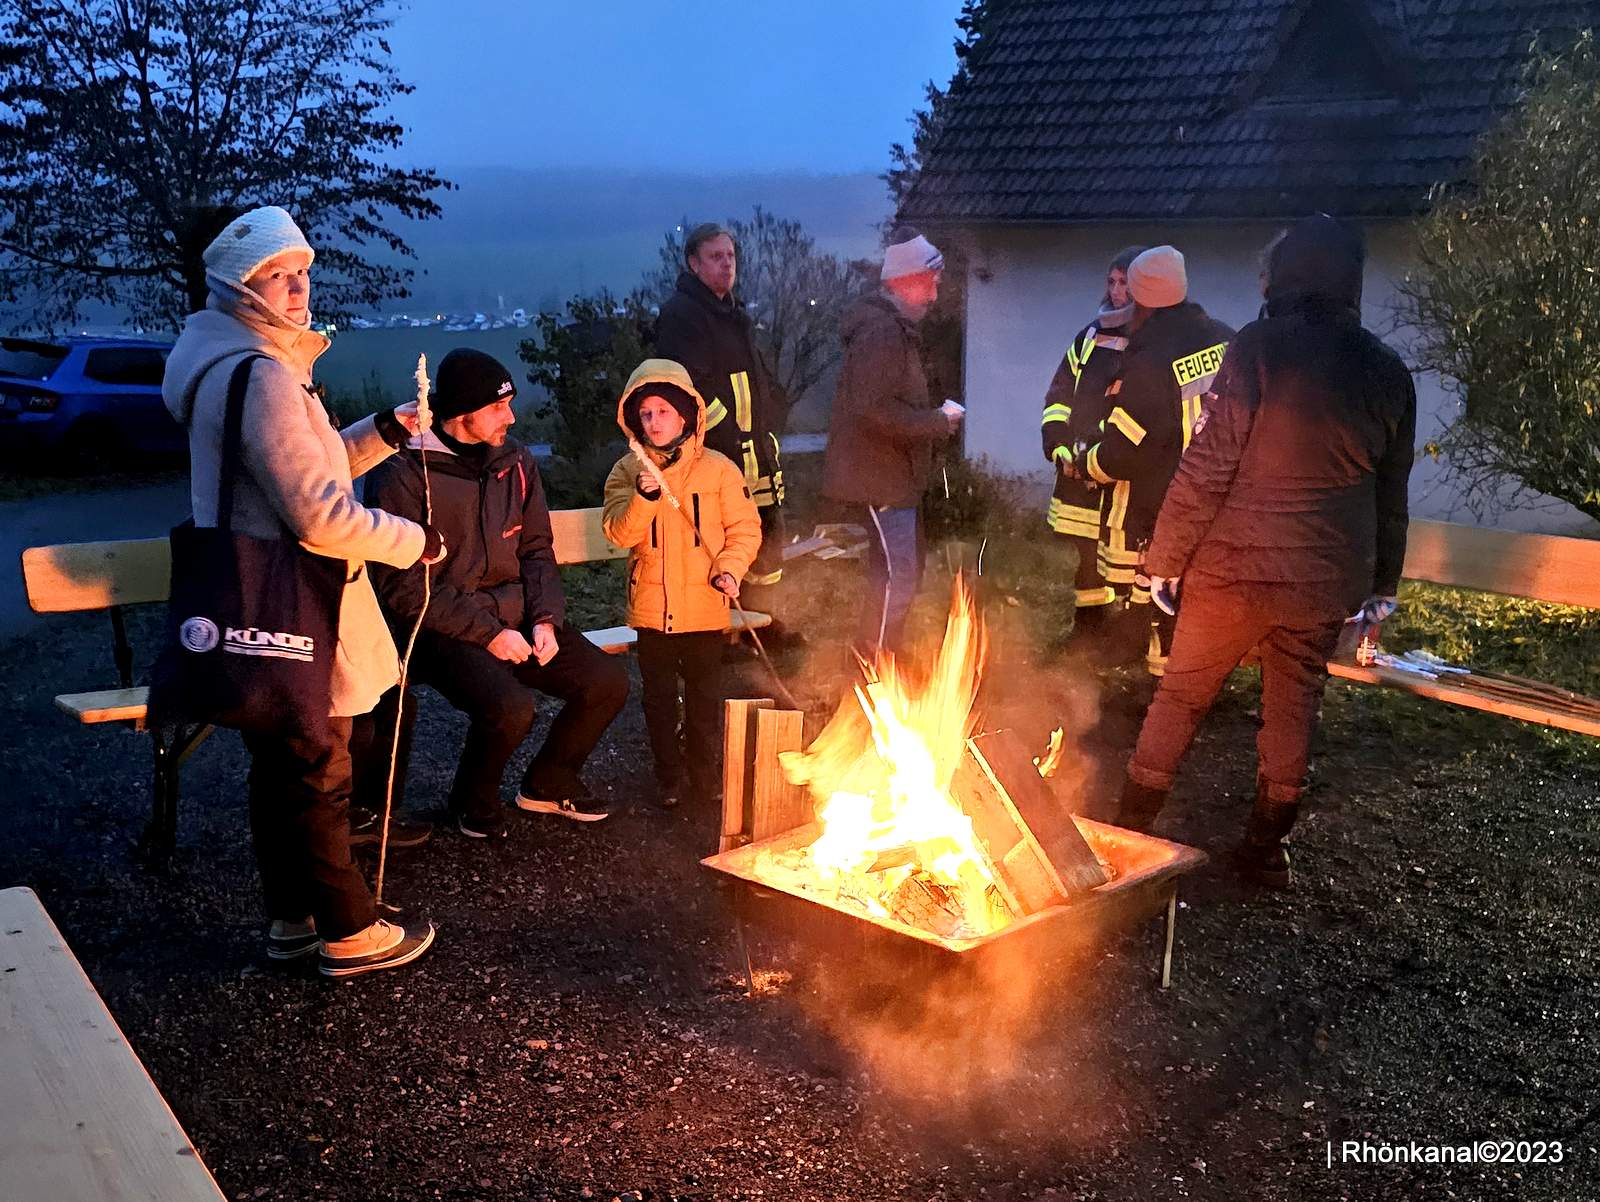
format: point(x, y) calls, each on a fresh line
point(1051, 759)
point(893, 837)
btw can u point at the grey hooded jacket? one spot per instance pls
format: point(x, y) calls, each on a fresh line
point(297, 474)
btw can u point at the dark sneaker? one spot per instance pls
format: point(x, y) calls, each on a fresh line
point(565, 808)
point(366, 826)
point(381, 945)
point(292, 940)
point(480, 827)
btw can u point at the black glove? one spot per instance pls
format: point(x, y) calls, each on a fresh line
point(433, 548)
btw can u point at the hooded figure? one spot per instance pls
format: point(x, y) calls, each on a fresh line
point(297, 478)
point(688, 551)
point(1288, 512)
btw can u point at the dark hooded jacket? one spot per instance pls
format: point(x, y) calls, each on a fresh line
point(499, 571)
point(884, 424)
point(745, 409)
point(1300, 469)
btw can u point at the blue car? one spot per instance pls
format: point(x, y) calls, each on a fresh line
point(85, 398)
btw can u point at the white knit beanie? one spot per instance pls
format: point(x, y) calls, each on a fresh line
point(249, 240)
point(911, 258)
point(1157, 279)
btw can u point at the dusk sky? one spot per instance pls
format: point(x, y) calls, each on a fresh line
point(711, 85)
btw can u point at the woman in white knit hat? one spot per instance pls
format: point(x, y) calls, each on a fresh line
point(297, 473)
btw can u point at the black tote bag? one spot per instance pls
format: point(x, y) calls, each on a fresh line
point(251, 622)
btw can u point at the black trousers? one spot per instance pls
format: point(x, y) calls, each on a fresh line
point(695, 660)
point(500, 701)
point(300, 824)
point(1218, 624)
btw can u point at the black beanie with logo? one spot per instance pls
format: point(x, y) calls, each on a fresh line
point(467, 380)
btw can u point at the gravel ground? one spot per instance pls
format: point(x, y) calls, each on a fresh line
point(581, 1030)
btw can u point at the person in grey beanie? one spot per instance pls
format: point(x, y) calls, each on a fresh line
point(297, 476)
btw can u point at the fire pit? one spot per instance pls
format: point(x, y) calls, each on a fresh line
point(1145, 872)
point(897, 824)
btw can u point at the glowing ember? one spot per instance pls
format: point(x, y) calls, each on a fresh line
point(1051, 759)
point(894, 842)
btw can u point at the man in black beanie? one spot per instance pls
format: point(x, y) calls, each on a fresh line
point(495, 631)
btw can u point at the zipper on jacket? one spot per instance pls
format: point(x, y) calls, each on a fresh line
point(694, 499)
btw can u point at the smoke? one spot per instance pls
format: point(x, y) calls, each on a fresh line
point(987, 1042)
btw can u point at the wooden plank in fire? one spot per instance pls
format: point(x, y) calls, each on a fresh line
point(775, 804)
point(1048, 823)
point(1021, 869)
point(738, 763)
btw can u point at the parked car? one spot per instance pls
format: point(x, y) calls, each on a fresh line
point(87, 399)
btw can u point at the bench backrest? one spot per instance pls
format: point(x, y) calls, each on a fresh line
point(1541, 567)
point(70, 577)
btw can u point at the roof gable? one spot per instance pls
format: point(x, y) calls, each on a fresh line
point(1084, 110)
point(1336, 53)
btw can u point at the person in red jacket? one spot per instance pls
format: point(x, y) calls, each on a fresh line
point(1287, 514)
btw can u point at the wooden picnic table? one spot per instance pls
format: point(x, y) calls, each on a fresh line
point(82, 1121)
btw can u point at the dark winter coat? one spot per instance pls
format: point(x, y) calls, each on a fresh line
point(745, 409)
point(1300, 472)
point(1152, 408)
point(499, 571)
point(884, 425)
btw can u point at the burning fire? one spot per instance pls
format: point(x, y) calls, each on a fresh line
point(1051, 759)
point(894, 841)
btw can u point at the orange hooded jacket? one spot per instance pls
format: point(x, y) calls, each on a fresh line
point(674, 553)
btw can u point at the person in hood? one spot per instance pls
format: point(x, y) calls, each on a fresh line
point(494, 634)
point(1074, 408)
point(883, 432)
point(1288, 513)
point(297, 476)
point(692, 532)
point(1152, 408)
point(704, 327)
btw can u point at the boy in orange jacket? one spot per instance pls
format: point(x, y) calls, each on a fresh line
point(689, 546)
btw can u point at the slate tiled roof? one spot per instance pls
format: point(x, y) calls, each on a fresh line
point(1083, 110)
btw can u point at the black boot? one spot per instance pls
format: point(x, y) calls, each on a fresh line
point(1137, 809)
point(1264, 855)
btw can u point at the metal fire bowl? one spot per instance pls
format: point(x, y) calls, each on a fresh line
point(1146, 870)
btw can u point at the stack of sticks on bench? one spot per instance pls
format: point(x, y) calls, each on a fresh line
point(111, 576)
point(1539, 567)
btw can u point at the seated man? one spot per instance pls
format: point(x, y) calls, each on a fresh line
point(494, 632)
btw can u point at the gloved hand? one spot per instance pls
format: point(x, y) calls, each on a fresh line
point(1164, 592)
point(1375, 609)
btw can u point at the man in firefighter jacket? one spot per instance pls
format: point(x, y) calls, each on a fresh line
point(1287, 515)
point(1152, 410)
point(705, 328)
point(1074, 407)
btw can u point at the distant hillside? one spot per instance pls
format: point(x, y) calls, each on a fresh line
point(534, 236)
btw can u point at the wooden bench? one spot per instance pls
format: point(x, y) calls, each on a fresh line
point(1539, 567)
point(83, 1119)
point(80, 577)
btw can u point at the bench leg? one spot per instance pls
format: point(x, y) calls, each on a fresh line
point(161, 835)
